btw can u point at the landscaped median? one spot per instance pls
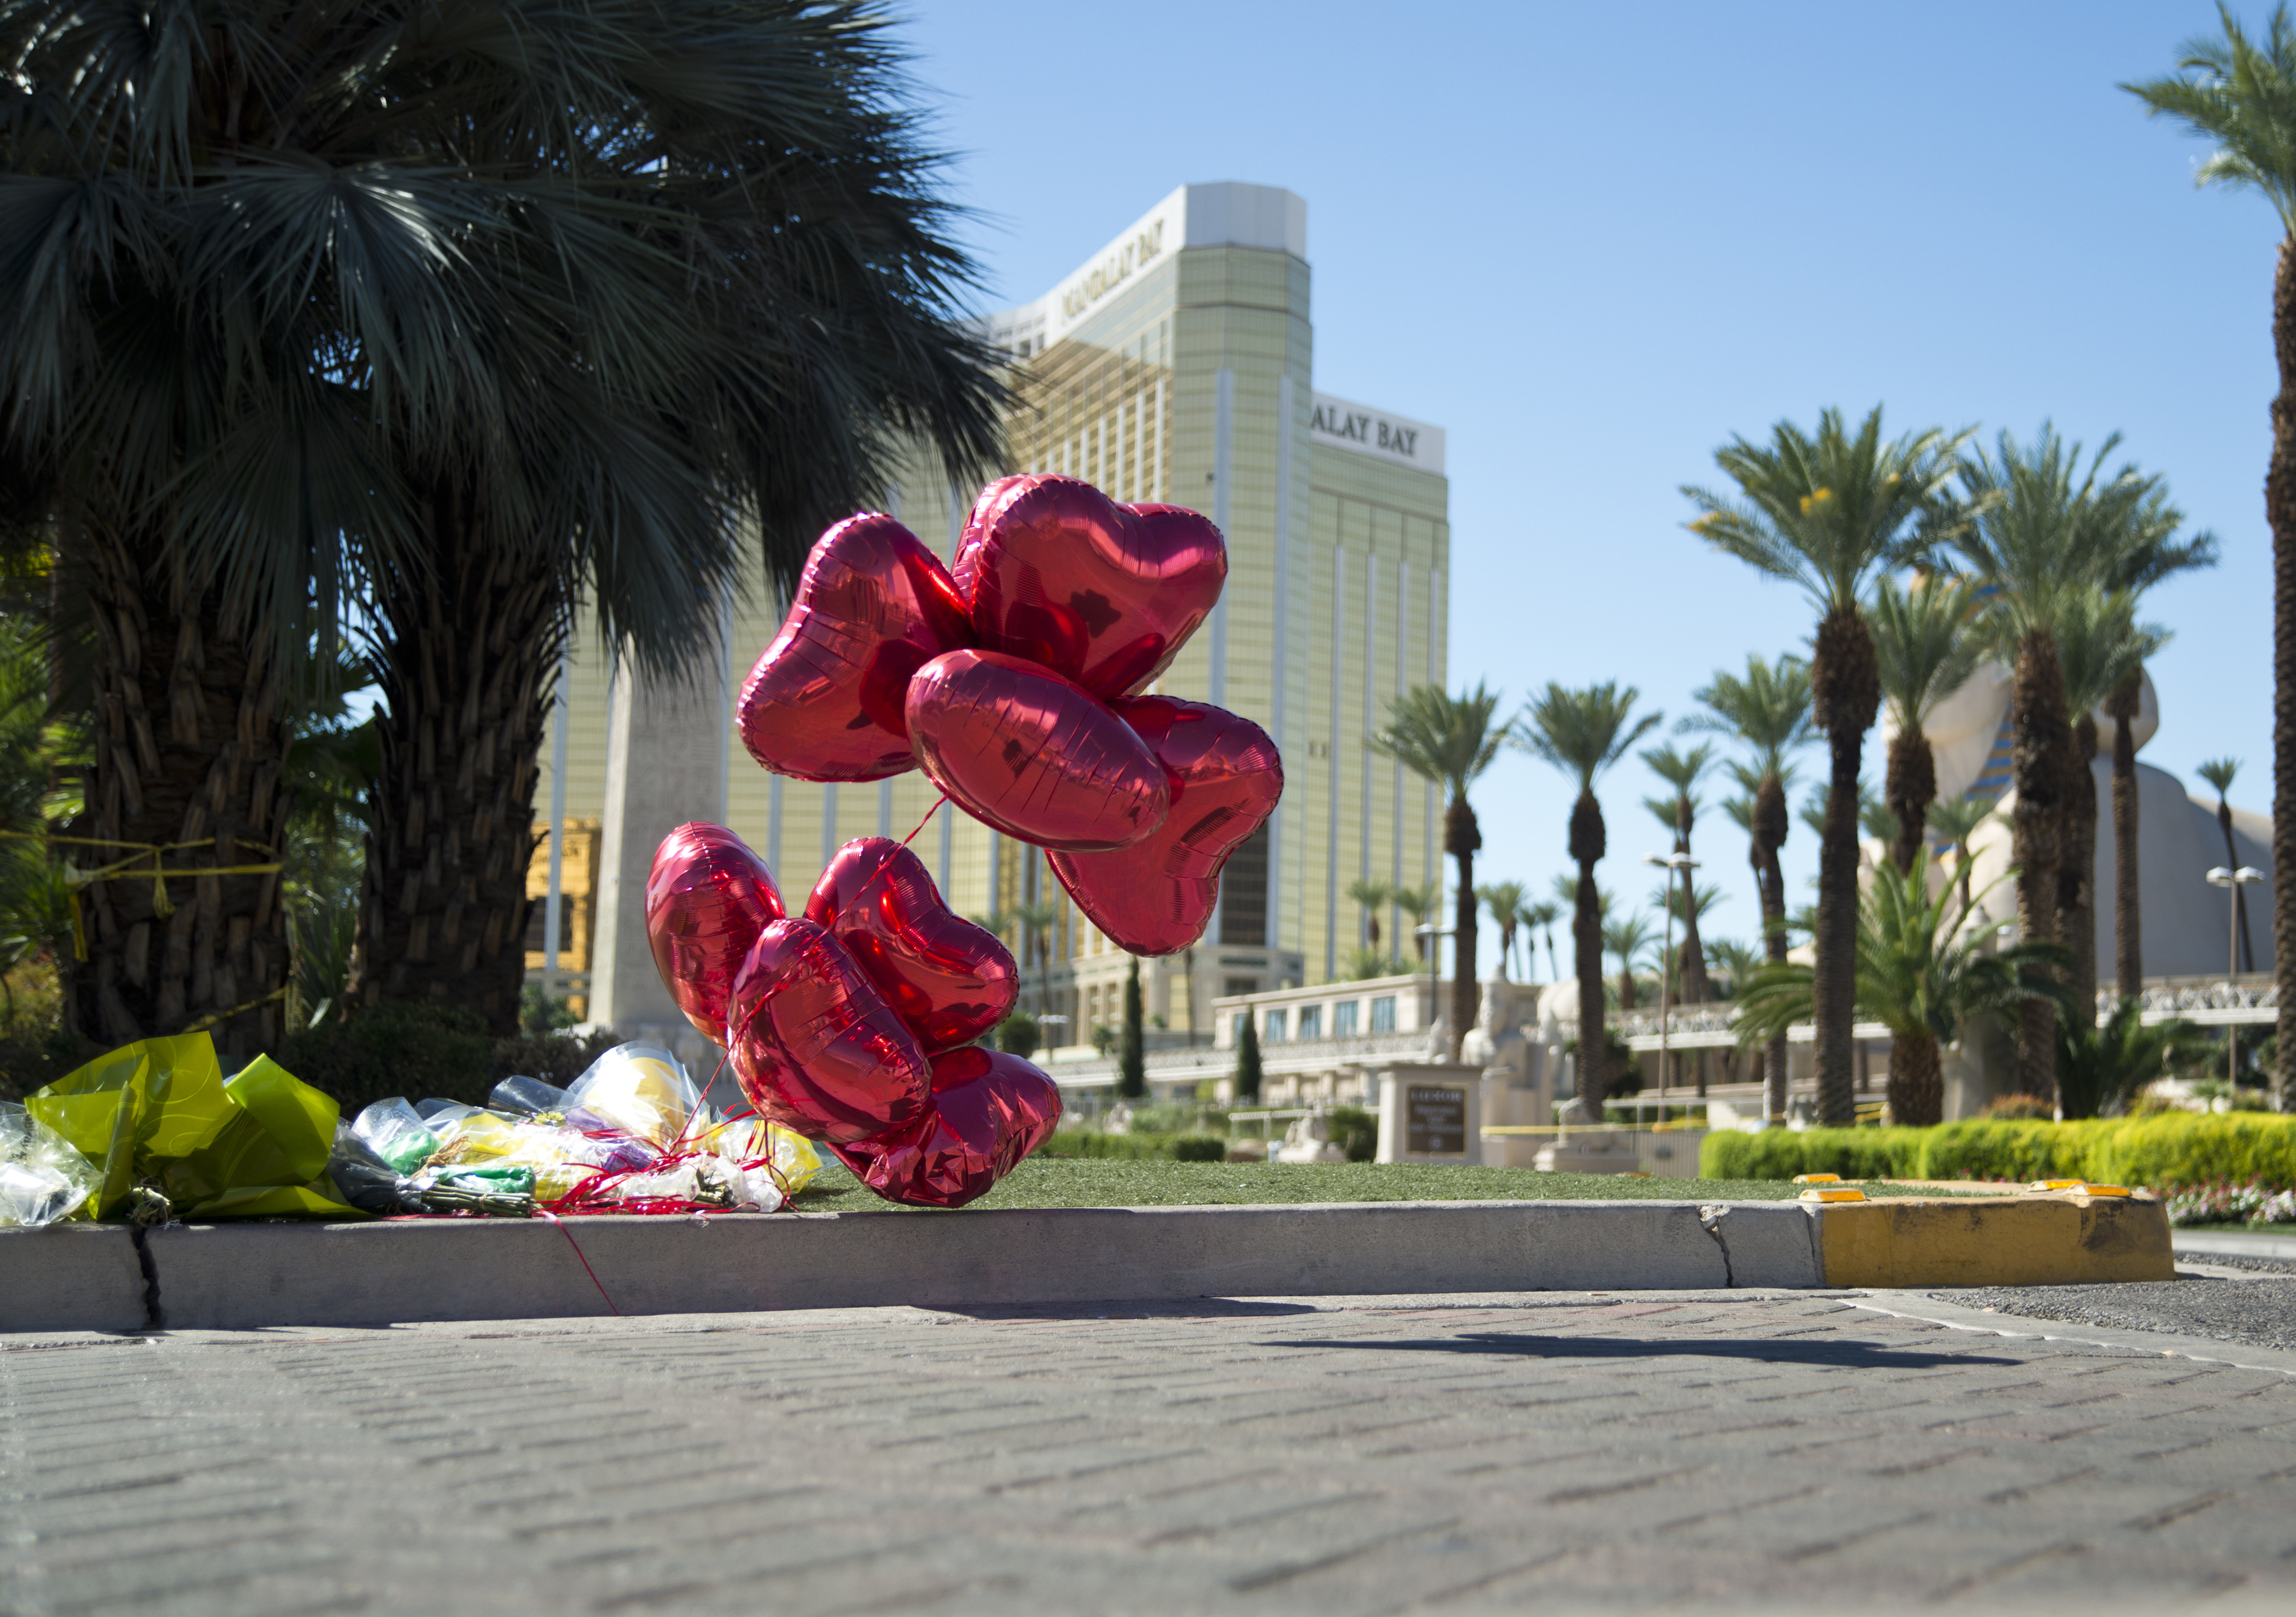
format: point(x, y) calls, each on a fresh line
point(1193, 1230)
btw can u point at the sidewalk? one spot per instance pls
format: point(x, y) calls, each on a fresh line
point(1796, 1452)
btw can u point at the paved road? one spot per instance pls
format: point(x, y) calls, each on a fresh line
point(1788, 1452)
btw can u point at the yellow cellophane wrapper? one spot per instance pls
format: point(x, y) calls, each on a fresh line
point(641, 1089)
point(796, 1160)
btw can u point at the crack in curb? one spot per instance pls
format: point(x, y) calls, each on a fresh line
point(155, 1318)
point(1710, 1220)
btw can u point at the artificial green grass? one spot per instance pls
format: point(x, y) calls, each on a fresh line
point(1106, 1182)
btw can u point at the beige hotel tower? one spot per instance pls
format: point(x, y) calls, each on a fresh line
point(1177, 365)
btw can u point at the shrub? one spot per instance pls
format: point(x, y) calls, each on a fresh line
point(2194, 1148)
point(2018, 1108)
point(1781, 1153)
point(1986, 1149)
point(422, 1051)
point(1018, 1034)
point(1199, 1149)
point(1355, 1132)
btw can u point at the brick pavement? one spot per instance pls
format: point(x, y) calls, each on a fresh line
point(1788, 1452)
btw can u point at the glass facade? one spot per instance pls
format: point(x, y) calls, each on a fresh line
point(1178, 366)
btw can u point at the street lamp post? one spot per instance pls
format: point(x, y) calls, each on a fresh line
point(2231, 882)
point(1670, 863)
point(1435, 935)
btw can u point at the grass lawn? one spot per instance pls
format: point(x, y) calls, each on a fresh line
point(1105, 1182)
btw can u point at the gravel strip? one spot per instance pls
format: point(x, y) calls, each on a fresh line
point(2257, 1313)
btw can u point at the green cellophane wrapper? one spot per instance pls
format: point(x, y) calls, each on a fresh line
point(159, 1114)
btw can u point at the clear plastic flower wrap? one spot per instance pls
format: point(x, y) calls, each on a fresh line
point(642, 1089)
point(394, 1132)
point(795, 1160)
point(42, 1178)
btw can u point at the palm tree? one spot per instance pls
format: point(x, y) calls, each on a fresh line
point(2100, 1067)
point(1953, 822)
point(1737, 961)
point(1915, 977)
point(1037, 921)
point(1372, 897)
point(1504, 900)
point(1678, 813)
point(1540, 917)
point(1922, 651)
point(1419, 903)
point(1583, 733)
point(2042, 531)
point(1450, 741)
point(2099, 646)
point(476, 322)
point(1768, 710)
point(2220, 773)
point(2242, 96)
point(1628, 938)
point(1827, 510)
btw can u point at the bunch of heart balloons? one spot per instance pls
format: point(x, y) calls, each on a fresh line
point(1014, 679)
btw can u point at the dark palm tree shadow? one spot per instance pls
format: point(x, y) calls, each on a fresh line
point(1837, 1355)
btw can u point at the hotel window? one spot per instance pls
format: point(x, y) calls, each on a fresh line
point(1275, 1027)
point(1383, 1013)
point(1311, 1022)
point(1343, 1019)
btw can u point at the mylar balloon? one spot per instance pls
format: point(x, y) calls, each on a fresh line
point(988, 1111)
point(1055, 571)
point(825, 702)
point(949, 980)
point(814, 1046)
point(1156, 896)
point(1032, 754)
point(706, 900)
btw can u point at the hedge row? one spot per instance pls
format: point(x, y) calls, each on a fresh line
point(2170, 1148)
point(1135, 1147)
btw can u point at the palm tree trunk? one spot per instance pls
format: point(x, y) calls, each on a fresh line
point(2077, 868)
point(1461, 837)
point(1916, 1081)
point(2239, 894)
point(1588, 845)
point(189, 748)
point(473, 645)
point(2280, 510)
point(2128, 915)
point(1771, 823)
point(1910, 788)
point(1695, 988)
point(1845, 690)
point(2040, 730)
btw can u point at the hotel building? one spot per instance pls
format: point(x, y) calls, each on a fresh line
point(1176, 365)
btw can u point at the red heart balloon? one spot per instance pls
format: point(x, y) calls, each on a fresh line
point(707, 899)
point(825, 702)
point(1156, 896)
point(949, 980)
point(1055, 571)
point(1035, 755)
point(814, 1046)
point(989, 1110)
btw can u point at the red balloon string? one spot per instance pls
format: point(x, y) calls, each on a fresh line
point(586, 1269)
point(922, 824)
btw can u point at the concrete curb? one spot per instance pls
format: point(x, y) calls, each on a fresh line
point(233, 1277)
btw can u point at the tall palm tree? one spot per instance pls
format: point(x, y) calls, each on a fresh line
point(1628, 938)
point(1923, 649)
point(1372, 897)
point(1737, 961)
point(1419, 903)
point(474, 321)
point(1540, 917)
point(2042, 533)
point(1768, 710)
point(2240, 95)
point(2220, 773)
point(1678, 814)
point(1583, 733)
point(2099, 645)
point(1953, 821)
point(1915, 976)
point(1504, 900)
point(1450, 741)
point(1035, 921)
point(1827, 510)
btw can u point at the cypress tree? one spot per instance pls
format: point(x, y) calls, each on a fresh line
point(1247, 1059)
point(1131, 1054)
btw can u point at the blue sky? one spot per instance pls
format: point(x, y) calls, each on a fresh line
point(1594, 243)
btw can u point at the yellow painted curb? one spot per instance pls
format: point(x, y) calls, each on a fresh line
point(2065, 1238)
